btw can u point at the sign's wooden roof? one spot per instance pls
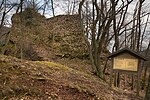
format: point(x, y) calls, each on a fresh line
point(126, 50)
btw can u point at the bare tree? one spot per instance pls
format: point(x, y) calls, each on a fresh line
point(52, 3)
point(70, 7)
point(99, 21)
point(47, 4)
point(20, 6)
point(146, 67)
point(5, 8)
point(107, 21)
point(147, 96)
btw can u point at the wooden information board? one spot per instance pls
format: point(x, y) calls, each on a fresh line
point(125, 62)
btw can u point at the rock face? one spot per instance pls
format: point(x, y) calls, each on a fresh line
point(4, 30)
point(43, 39)
point(66, 35)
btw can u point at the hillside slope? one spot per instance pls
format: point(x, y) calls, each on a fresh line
point(42, 80)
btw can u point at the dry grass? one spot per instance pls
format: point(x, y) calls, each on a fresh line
point(42, 80)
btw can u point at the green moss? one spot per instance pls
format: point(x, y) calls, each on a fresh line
point(52, 64)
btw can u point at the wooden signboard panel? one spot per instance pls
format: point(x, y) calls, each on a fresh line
point(125, 62)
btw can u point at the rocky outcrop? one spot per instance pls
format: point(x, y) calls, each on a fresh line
point(44, 39)
point(66, 35)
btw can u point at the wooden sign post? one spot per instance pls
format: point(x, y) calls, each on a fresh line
point(126, 60)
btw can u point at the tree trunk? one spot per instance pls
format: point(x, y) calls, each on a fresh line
point(147, 95)
point(53, 8)
point(145, 71)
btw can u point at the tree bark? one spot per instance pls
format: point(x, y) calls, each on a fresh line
point(53, 8)
point(146, 67)
point(147, 95)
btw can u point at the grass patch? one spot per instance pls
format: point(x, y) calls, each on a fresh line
point(52, 64)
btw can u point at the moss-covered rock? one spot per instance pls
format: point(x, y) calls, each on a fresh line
point(42, 39)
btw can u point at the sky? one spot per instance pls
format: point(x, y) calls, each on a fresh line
point(61, 6)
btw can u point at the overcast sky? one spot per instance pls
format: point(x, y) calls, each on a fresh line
point(61, 7)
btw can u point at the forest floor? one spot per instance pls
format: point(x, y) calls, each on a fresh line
point(43, 80)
